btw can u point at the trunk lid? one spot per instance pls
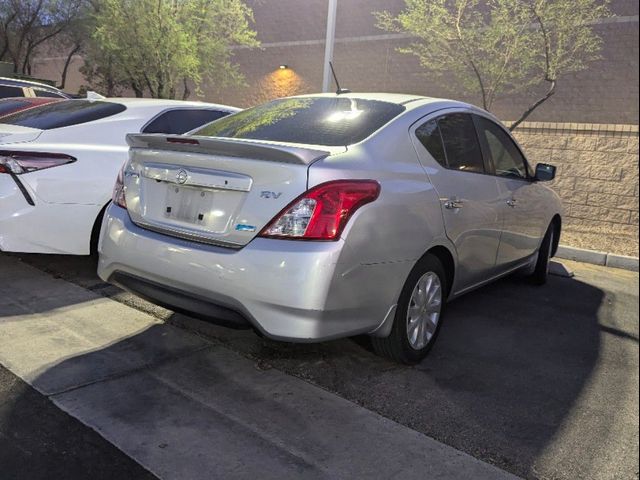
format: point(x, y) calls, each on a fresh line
point(15, 134)
point(217, 191)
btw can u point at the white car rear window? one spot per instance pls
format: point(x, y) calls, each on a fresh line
point(63, 114)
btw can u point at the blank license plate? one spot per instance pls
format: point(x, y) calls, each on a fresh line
point(188, 204)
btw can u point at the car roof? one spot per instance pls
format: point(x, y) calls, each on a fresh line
point(409, 101)
point(19, 82)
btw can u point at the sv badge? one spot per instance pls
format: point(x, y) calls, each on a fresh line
point(267, 194)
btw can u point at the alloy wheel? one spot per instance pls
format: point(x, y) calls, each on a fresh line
point(423, 314)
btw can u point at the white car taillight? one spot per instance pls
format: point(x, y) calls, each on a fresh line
point(17, 163)
point(119, 189)
point(322, 212)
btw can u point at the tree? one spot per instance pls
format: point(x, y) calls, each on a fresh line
point(159, 46)
point(99, 67)
point(75, 39)
point(497, 47)
point(27, 25)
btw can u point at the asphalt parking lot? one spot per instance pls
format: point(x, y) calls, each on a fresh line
point(540, 382)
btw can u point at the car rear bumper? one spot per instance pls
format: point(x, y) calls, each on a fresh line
point(288, 290)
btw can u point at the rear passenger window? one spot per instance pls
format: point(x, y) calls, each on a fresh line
point(7, 91)
point(461, 143)
point(429, 136)
point(179, 121)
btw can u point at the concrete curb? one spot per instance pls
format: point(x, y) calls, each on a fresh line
point(598, 258)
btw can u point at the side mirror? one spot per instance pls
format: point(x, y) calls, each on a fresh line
point(545, 172)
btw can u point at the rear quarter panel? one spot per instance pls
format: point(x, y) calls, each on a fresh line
point(100, 150)
point(87, 181)
point(384, 239)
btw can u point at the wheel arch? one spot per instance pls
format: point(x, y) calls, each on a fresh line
point(445, 256)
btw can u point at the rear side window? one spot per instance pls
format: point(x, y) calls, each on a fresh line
point(7, 106)
point(64, 114)
point(7, 91)
point(179, 121)
point(334, 121)
point(429, 136)
point(461, 143)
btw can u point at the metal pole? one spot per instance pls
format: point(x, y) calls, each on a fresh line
point(328, 48)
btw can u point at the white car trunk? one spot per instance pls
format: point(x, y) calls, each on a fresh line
point(15, 134)
point(219, 191)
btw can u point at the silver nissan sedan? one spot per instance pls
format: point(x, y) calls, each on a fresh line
point(323, 216)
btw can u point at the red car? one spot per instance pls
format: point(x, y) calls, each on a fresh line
point(16, 104)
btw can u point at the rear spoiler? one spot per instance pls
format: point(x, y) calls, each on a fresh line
point(227, 147)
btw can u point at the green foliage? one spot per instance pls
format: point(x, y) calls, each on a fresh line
point(565, 34)
point(496, 47)
point(158, 45)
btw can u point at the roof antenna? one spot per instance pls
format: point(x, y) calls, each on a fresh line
point(335, 77)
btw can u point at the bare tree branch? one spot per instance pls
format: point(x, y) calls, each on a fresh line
point(540, 101)
point(461, 8)
point(65, 69)
point(186, 90)
point(548, 74)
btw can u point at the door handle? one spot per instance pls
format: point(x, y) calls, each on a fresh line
point(512, 202)
point(453, 204)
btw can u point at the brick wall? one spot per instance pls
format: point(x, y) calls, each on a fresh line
point(597, 180)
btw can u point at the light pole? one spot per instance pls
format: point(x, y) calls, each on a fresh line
point(328, 48)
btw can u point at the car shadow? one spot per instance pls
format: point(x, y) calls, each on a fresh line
point(509, 366)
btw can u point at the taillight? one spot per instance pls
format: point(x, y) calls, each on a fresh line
point(322, 212)
point(118, 190)
point(24, 162)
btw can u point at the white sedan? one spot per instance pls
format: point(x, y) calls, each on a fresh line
point(58, 164)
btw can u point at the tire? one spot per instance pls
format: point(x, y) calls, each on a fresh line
point(541, 271)
point(407, 345)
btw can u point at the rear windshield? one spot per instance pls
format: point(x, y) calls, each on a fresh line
point(63, 114)
point(315, 121)
point(181, 120)
point(7, 106)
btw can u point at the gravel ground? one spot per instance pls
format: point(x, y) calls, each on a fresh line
point(601, 241)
